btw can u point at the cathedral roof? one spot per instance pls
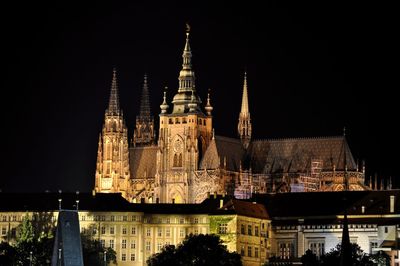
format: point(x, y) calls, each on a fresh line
point(295, 154)
point(220, 149)
point(142, 161)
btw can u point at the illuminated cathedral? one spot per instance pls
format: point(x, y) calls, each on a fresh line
point(183, 160)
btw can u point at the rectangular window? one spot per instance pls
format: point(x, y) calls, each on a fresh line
point(124, 218)
point(111, 243)
point(249, 251)
point(256, 230)
point(133, 257)
point(167, 232)
point(123, 243)
point(196, 231)
point(103, 230)
point(133, 230)
point(123, 257)
point(124, 230)
point(148, 247)
point(386, 230)
point(285, 250)
point(317, 247)
point(112, 218)
point(242, 229)
point(372, 245)
point(111, 230)
point(159, 246)
point(256, 252)
point(168, 220)
point(242, 251)
point(159, 232)
point(181, 220)
point(222, 228)
point(102, 243)
point(182, 232)
point(3, 231)
point(148, 232)
point(196, 220)
point(133, 244)
point(249, 230)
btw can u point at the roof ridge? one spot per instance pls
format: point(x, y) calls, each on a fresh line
point(298, 138)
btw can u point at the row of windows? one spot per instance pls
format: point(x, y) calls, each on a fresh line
point(184, 121)
point(112, 218)
point(249, 230)
point(250, 252)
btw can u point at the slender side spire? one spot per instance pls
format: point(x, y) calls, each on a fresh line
point(244, 125)
point(144, 101)
point(144, 129)
point(208, 106)
point(345, 251)
point(164, 106)
point(113, 104)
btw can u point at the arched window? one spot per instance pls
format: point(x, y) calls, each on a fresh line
point(175, 160)
point(180, 160)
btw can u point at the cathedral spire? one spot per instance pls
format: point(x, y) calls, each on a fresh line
point(244, 125)
point(144, 129)
point(145, 102)
point(113, 104)
point(186, 79)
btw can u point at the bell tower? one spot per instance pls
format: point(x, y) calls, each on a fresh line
point(112, 168)
point(184, 135)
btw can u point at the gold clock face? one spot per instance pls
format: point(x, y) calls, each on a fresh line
point(178, 145)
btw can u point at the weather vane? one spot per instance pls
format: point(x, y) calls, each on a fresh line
point(187, 27)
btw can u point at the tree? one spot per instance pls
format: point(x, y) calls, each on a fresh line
point(93, 251)
point(33, 244)
point(357, 254)
point(309, 259)
point(7, 254)
point(196, 250)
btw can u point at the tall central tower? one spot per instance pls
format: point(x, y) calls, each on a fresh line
point(185, 134)
point(112, 168)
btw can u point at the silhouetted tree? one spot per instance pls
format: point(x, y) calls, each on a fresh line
point(93, 251)
point(196, 250)
point(309, 259)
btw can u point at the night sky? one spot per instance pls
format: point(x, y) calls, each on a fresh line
point(312, 69)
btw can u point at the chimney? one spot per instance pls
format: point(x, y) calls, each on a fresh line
point(221, 203)
point(392, 199)
point(173, 201)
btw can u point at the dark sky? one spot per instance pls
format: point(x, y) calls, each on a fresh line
point(312, 69)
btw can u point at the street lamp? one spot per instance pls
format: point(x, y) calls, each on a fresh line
point(105, 257)
point(30, 258)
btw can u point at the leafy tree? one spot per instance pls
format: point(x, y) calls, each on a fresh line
point(359, 258)
point(309, 259)
point(196, 250)
point(93, 251)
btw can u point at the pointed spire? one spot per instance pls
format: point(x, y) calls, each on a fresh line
point(113, 104)
point(186, 76)
point(245, 101)
point(145, 102)
point(244, 125)
point(192, 105)
point(208, 106)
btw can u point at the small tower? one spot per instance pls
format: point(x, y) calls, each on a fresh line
point(112, 169)
point(244, 125)
point(144, 130)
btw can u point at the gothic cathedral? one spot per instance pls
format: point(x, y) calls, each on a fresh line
point(188, 161)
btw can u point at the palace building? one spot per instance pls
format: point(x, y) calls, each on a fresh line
point(183, 159)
